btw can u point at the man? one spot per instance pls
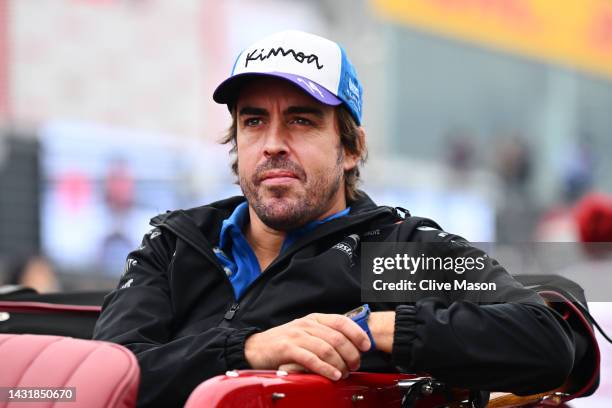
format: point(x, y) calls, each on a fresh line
point(262, 281)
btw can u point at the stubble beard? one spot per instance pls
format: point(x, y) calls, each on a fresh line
point(284, 208)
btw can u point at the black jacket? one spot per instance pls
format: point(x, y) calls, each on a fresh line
point(175, 309)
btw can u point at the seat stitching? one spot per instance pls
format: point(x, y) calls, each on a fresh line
point(5, 338)
point(71, 376)
point(126, 382)
point(46, 346)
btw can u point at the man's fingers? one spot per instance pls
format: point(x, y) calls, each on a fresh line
point(346, 326)
point(325, 352)
point(328, 345)
point(312, 362)
point(292, 367)
point(345, 348)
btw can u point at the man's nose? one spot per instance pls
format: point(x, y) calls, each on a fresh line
point(276, 139)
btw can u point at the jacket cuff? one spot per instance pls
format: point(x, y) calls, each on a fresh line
point(404, 335)
point(234, 348)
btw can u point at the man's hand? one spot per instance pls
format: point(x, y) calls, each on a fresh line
point(325, 344)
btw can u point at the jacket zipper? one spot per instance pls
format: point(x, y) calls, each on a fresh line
point(229, 315)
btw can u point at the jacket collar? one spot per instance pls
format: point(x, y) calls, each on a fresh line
point(209, 218)
point(233, 226)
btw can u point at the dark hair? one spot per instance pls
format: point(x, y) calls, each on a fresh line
point(352, 139)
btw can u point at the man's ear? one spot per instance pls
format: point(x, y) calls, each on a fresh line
point(351, 159)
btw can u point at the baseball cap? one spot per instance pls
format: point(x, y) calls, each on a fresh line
point(317, 65)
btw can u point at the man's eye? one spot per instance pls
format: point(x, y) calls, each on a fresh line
point(302, 121)
point(252, 122)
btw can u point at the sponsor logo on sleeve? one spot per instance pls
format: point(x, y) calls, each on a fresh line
point(127, 284)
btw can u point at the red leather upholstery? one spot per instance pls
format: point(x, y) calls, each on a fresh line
point(103, 374)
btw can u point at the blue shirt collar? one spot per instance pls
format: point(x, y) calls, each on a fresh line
point(240, 216)
point(236, 220)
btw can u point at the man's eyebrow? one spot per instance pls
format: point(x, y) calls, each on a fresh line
point(304, 109)
point(250, 110)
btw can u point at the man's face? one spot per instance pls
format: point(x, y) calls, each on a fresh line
point(290, 160)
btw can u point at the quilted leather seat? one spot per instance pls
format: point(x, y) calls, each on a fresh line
point(102, 374)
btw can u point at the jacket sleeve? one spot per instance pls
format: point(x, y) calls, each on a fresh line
point(512, 347)
point(516, 345)
point(139, 315)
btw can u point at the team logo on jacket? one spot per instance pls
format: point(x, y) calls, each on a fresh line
point(348, 246)
point(154, 233)
point(127, 284)
point(372, 233)
point(128, 265)
point(341, 246)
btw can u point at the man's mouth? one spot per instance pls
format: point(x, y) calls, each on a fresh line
point(278, 177)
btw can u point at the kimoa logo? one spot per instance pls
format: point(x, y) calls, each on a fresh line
point(262, 55)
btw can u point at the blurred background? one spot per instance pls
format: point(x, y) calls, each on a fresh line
point(493, 117)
